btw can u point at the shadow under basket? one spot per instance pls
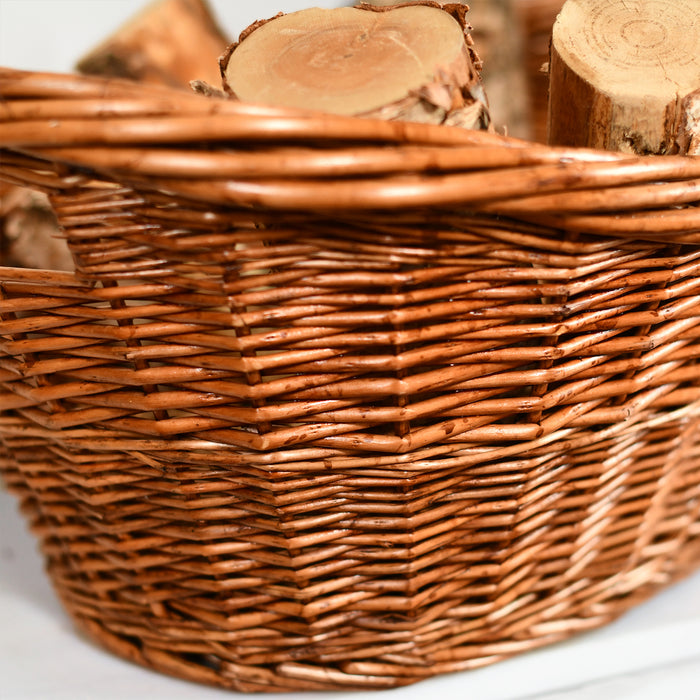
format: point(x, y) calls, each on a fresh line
point(336, 403)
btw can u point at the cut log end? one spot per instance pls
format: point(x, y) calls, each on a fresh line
point(409, 62)
point(619, 71)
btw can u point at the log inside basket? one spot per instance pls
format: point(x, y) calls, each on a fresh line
point(688, 139)
point(496, 29)
point(29, 233)
point(170, 42)
point(620, 71)
point(410, 63)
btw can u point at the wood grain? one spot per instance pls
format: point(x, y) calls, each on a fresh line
point(619, 73)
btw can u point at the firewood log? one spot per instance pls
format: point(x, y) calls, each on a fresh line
point(411, 63)
point(620, 73)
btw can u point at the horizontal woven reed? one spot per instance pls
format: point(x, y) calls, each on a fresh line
point(336, 403)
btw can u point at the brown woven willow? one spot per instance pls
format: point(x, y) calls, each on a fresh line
point(336, 403)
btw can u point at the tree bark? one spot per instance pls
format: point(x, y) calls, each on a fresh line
point(688, 139)
point(29, 233)
point(411, 63)
point(619, 73)
point(497, 33)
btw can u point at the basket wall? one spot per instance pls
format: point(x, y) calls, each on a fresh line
point(331, 403)
point(307, 477)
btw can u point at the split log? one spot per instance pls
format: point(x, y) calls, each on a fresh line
point(410, 63)
point(536, 19)
point(496, 29)
point(29, 233)
point(498, 37)
point(619, 73)
point(171, 42)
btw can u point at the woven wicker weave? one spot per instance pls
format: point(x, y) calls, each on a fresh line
point(334, 403)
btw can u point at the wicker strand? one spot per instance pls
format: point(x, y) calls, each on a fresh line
point(331, 403)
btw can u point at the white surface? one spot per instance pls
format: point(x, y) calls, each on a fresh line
point(652, 653)
point(53, 34)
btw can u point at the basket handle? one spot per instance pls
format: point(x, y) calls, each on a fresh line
point(59, 131)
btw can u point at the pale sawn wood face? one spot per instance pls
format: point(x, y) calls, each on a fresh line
point(346, 60)
point(620, 71)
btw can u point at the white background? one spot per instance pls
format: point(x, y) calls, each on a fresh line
point(652, 653)
point(53, 34)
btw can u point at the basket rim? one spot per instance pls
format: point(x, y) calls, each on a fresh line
point(63, 132)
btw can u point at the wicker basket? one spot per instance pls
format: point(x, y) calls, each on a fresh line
point(334, 403)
